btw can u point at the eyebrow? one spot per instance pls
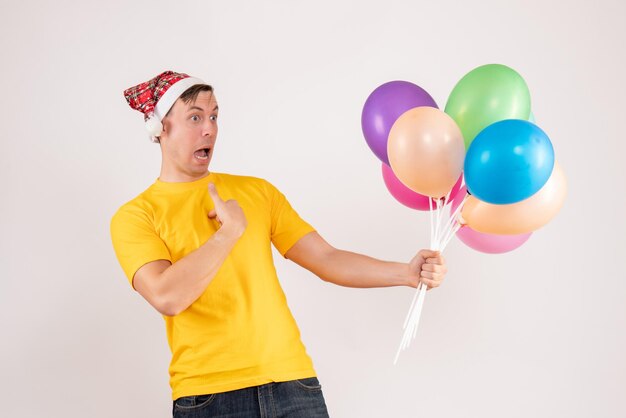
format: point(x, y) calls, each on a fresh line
point(201, 109)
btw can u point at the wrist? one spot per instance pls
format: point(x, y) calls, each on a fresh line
point(408, 277)
point(230, 232)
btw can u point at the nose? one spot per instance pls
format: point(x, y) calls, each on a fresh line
point(209, 128)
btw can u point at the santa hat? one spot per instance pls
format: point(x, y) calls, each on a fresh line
point(155, 98)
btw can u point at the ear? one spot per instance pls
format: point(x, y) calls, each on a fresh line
point(166, 128)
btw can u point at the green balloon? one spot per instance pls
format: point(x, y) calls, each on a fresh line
point(485, 95)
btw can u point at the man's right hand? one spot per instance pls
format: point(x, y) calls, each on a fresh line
point(172, 288)
point(228, 213)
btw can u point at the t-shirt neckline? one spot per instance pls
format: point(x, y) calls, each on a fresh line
point(185, 185)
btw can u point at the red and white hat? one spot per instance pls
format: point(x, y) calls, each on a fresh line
point(155, 98)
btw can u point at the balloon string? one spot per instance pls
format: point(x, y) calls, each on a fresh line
point(453, 231)
point(409, 322)
point(439, 239)
point(452, 218)
point(408, 315)
point(437, 236)
point(432, 237)
point(411, 329)
point(418, 309)
point(451, 221)
point(410, 325)
point(441, 204)
point(439, 224)
point(433, 242)
point(449, 235)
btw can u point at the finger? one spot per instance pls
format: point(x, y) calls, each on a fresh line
point(439, 268)
point(435, 268)
point(213, 192)
point(435, 277)
point(212, 213)
point(430, 283)
point(435, 260)
point(429, 253)
point(428, 275)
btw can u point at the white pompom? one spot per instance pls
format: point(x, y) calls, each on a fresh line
point(154, 126)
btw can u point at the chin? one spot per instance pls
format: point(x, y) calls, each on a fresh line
point(204, 167)
point(200, 170)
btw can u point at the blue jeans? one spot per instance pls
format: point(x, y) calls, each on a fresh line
point(300, 398)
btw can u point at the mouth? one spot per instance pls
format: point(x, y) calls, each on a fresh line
point(202, 154)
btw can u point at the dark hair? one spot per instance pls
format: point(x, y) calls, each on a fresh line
point(191, 94)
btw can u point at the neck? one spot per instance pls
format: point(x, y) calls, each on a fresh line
point(176, 176)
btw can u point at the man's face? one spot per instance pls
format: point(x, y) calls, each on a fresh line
point(189, 134)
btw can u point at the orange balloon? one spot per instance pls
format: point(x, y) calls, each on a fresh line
point(521, 217)
point(426, 151)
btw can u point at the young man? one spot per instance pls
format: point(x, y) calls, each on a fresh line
point(197, 246)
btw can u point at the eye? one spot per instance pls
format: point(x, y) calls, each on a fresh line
point(213, 117)
point(195, 118)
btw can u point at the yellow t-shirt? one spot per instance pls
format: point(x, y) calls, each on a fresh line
point(240, 331)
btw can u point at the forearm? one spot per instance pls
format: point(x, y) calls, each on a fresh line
point(350, 269)
point(185, 280)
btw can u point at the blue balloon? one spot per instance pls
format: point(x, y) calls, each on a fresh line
point(508, 161)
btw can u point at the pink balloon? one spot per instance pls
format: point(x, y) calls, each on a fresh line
point(407, 196)
point(490, 243)
point(486, 243)
point(454, 193)
point(458, 198)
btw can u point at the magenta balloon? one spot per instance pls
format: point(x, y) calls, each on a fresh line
point(456, 189)
point(458, 198)
point(383, 106)
point(407, 196)
point(402, 193)
point(490, 243)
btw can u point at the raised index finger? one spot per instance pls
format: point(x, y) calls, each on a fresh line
point(213, 192)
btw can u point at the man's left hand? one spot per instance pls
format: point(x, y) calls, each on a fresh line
point(428, 267)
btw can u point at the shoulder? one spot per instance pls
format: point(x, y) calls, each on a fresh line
point(139, 208)
point(239, 179)
point(245, 183)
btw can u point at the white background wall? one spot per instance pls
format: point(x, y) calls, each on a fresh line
point(538, 332)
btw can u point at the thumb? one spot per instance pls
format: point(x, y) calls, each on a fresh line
point(429, 253)
point(212, 213)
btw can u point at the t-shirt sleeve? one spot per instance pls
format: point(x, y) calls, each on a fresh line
point(287, 226)
point(135, 240)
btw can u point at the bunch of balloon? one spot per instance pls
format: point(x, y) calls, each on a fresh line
point(422, 153)
point(482, 157)
point(514, 185)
